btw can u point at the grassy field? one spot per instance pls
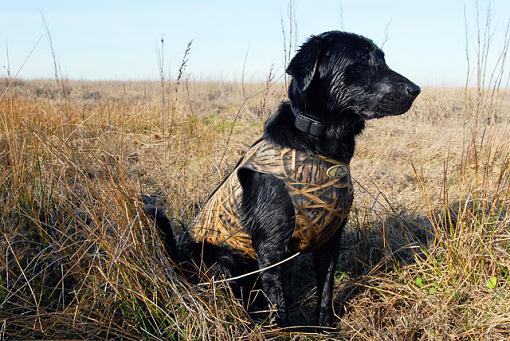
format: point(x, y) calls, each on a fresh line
point(426, 254)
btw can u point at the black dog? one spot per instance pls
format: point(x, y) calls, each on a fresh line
point(339, 80)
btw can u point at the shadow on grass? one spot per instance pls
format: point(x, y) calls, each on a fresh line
point(366, 249)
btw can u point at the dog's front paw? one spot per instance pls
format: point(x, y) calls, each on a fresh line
point(325, 318)
point(283, 322)
point(324, 321)
point(280, 319)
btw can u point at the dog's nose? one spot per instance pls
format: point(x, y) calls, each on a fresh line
point(412, 89)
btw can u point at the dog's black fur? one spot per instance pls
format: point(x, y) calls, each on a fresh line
point(339, 79)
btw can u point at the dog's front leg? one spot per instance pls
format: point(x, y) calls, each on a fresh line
point(273, 279)
point(268, 214)
point(325, 259)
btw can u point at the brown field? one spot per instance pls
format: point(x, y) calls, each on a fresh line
point(426, 254)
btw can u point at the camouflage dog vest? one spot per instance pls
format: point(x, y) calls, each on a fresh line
point(320, 190)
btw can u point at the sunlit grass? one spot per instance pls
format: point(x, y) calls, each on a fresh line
point(426, 254)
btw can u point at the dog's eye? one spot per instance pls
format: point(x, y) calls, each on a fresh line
point(355, 72)
point(356, 67)
point(365, 58)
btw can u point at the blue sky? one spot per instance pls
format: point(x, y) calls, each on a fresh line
point(119, 39)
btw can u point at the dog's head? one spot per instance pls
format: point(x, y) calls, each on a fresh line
point(337, 71)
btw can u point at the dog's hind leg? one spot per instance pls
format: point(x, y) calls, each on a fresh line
point(325, 260)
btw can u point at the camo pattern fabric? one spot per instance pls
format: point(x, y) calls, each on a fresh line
point(320, 190)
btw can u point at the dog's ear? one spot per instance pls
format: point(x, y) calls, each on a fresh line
point(303, 66)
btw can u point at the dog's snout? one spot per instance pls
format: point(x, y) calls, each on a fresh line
point(412, 89)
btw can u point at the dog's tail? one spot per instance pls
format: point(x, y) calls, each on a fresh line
point(163, 224)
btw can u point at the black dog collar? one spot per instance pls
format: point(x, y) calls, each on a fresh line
point(307, 124)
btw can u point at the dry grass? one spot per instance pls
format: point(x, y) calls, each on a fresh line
point(426, 254)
